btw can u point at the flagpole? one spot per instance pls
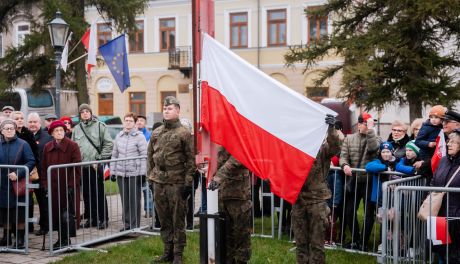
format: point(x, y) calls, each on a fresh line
point(74, 47)
point(86, 53)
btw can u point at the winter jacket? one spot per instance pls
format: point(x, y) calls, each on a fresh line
point(406, 166)
point(41, 138)
point(28, 137)
point(315, 189)
point(375, 167)
point(427, 134)
point(146, 133)
point(13, 152)
point(352, 149)
point(129, 145)
point(399, 146)
point(446, 168)
point(100, 137)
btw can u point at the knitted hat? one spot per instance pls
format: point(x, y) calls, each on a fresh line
point(57, 123)
point(83, 107)
point(438, 110)
point(411, 145)
point(386, 145)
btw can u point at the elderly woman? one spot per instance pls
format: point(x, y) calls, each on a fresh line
point(64, 188)
point(129, 143)
point(14, 151)
point(445, 171)
point(398, 138)
point(415, 127)
point(68, 123)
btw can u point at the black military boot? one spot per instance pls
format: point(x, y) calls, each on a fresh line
point(167, 254)
point(178, 259)
point(20, 239)
point(6, 240)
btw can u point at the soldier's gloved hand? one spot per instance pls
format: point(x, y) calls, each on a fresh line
point(213, 185)
point(185, 191)
point(330, 120)
point(113, 178)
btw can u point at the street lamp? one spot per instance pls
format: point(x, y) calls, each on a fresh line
point(58, 29)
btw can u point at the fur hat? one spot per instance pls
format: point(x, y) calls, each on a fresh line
point(83, 107)
point(438, 110)
point(411, 145)
point(57, 123)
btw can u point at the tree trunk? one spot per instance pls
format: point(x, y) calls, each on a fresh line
point(415, 107)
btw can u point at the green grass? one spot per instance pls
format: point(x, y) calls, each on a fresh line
point(111, 187)
point(264, 250)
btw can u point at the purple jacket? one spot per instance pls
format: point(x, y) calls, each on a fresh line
point(446, 168)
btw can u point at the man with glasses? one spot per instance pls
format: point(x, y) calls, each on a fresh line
point(451, 122)
point(357, 150)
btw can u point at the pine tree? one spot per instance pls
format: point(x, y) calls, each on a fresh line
point(34, 59)
point(394, 51)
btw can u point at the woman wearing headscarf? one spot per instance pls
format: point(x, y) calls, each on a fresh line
point(13, 151)
point(64, 185)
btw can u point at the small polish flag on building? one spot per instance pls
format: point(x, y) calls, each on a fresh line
point(274, 131)
point(89, 40)
point(437, 230)
point(439, 152)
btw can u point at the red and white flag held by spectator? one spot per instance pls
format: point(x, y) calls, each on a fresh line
point(106, 172)
point(274, 131)
point(89, 40)
point(437, 230)
point(439, 152)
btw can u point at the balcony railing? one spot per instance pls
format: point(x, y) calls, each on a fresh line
point(180, 58)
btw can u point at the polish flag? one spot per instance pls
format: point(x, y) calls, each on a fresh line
point(439, 152)
point(274, 131)
point(437, 230)
point(89, 40)
point(106, 172)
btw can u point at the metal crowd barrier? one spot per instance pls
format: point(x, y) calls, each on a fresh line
point(14, 213)
point(105, 210)
point(418, 245)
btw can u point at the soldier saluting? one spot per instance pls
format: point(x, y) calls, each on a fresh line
point(170, 168)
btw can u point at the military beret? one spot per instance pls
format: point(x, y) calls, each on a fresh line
point(169, 100)
point(451, 115)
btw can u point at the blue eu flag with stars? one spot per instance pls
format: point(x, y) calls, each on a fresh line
point(114, 53)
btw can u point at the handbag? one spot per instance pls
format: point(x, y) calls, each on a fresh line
point(19, 187)
point(432, 203)
point(34, 174)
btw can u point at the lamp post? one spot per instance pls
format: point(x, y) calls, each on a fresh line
point(58, 29)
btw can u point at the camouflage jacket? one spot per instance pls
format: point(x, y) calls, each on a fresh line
point(315, 188)
point(233, 177)
point(169, 155)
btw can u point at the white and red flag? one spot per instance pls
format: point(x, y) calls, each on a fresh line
point(89, 40)
point(439, 152)
point(437, 230)
point(274, 131)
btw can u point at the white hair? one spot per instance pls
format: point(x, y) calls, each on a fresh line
point(32, 115)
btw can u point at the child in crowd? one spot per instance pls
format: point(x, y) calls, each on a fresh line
point(407, 164)
point(426, 138)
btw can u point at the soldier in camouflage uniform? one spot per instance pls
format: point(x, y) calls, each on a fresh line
point(232, 179)
point(310, 211)
point(170, 168)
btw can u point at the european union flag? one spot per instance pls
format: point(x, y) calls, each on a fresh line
point(114, 53)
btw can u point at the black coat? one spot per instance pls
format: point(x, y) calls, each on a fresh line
point(428, 133)
point(41, 138)
point(399, 146)
point(28, 137)
point(446, 168)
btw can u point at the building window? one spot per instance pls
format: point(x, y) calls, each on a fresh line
point(163, 95)
point(136, 38)
point(105, 102)
point(167, 33)
point(276, 24)
point(239, 30)
point(22, 30)
point(317, 26)
point(104, 33)
point(137, 103)
point(317, 93)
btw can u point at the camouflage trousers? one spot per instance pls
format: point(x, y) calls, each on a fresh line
point(238, 229)
point(171, 211)
point(309, 223)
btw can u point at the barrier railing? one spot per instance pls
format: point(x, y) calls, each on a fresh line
point(111, 210)
point(14, 213)
point(422, 245)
